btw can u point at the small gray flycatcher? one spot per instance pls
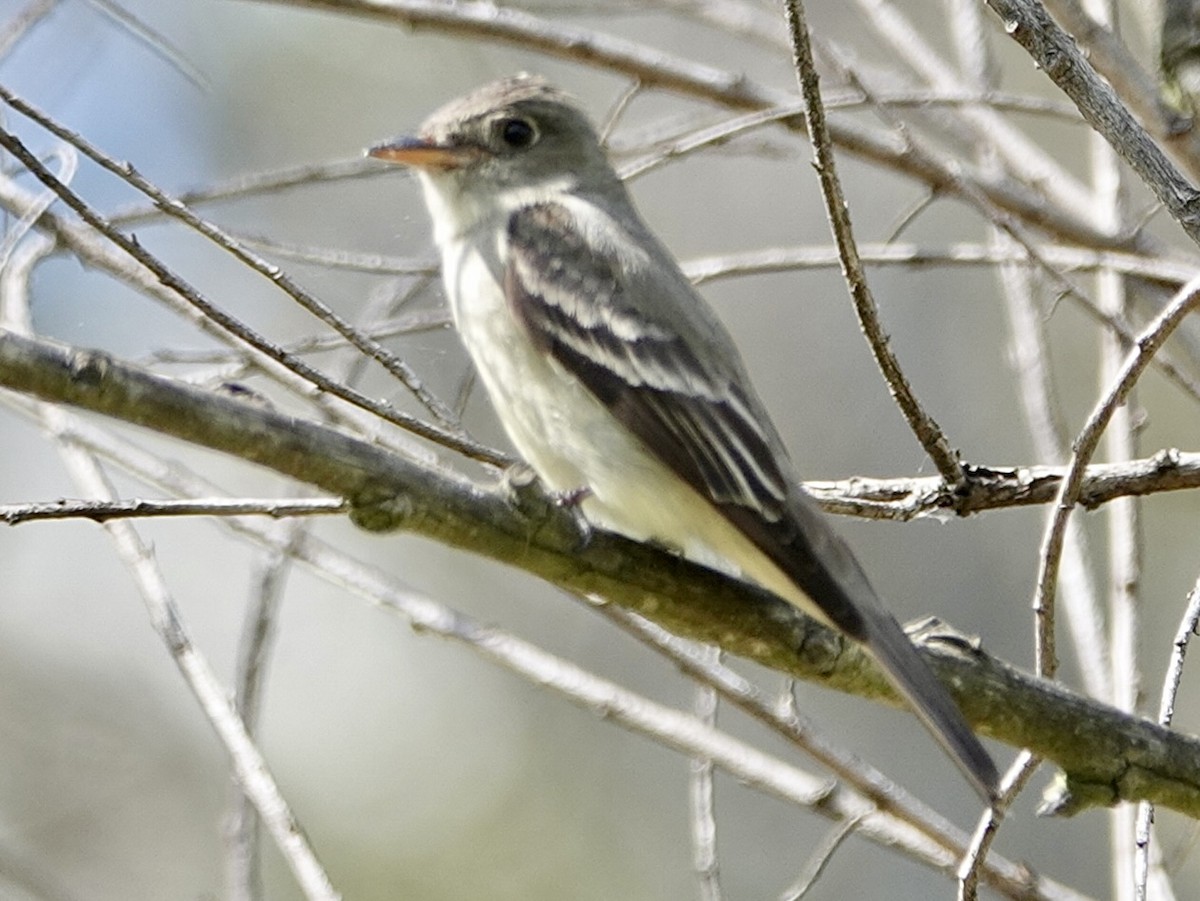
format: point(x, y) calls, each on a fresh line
point(615, 380)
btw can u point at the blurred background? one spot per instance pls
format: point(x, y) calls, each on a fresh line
point(417, 769)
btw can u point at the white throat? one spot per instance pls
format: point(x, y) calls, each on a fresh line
point(456, 213)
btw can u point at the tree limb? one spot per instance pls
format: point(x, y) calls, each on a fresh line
point(1107, 755)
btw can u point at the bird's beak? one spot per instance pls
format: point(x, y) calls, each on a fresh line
point(422, 154)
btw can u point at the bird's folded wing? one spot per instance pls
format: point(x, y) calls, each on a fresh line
point(586, 309)
point(579, 307)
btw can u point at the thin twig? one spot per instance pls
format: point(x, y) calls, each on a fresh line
point(786, 259)
point(18, 231)
point(329, 258)
point(108, 511)
point(243, 874)
point(20, 25)
point(413, 322)
point(1057, 54)
point(235, 326)
point(927, 431)
point(1048, 433)
point(258, 184)
point(177, 210)
point(729, 17)
point(669, 149)
point(1084, 446)
point(154, 40)
point(819, 860)
point(706, 862)
point(1188, 624)
point(974, 862)
point(610, 122)
point(1122, 517)
point(1173, 271)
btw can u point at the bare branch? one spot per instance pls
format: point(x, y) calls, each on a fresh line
point(928, 432)
point(1108, 755)
point(235, 326)
point(106, 511)
point(1136, 87)
point(1084, 446)
point(655, 69)
point(1028, 23)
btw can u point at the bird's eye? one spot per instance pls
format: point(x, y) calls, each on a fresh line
point(517, 133)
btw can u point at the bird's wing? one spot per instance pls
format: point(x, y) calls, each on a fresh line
point(691, 408)
point(579, 307)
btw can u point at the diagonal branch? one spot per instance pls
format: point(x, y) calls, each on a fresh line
point(928, 432)
point(1108, 755)
point(1028, 23)
point(483, 20)
point(1136, 87)
point(231, 324)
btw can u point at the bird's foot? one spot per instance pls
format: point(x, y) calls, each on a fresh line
point(530, 495)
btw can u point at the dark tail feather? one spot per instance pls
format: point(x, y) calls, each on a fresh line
point(820, 564)
point(930, 700)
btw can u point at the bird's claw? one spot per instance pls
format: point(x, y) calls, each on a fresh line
point(529, 494)
point(573, 499)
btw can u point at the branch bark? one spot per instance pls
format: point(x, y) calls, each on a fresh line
point(652, 67)
point(1028, 23)
point(1107, 755)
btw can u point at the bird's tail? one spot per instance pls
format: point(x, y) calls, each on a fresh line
point(809, 566)
point(891, 647)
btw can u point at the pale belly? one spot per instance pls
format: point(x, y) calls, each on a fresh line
point(571, 440)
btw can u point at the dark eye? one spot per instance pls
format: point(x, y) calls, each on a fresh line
point(517, 133)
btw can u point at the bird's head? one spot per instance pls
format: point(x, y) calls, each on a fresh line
point(506, 144)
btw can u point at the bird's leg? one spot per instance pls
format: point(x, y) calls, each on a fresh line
point(521, 483)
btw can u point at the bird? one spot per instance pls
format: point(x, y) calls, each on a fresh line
point(616, 382)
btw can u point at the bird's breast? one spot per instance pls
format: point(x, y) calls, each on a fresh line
point(541, 408)
point(571, 439)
